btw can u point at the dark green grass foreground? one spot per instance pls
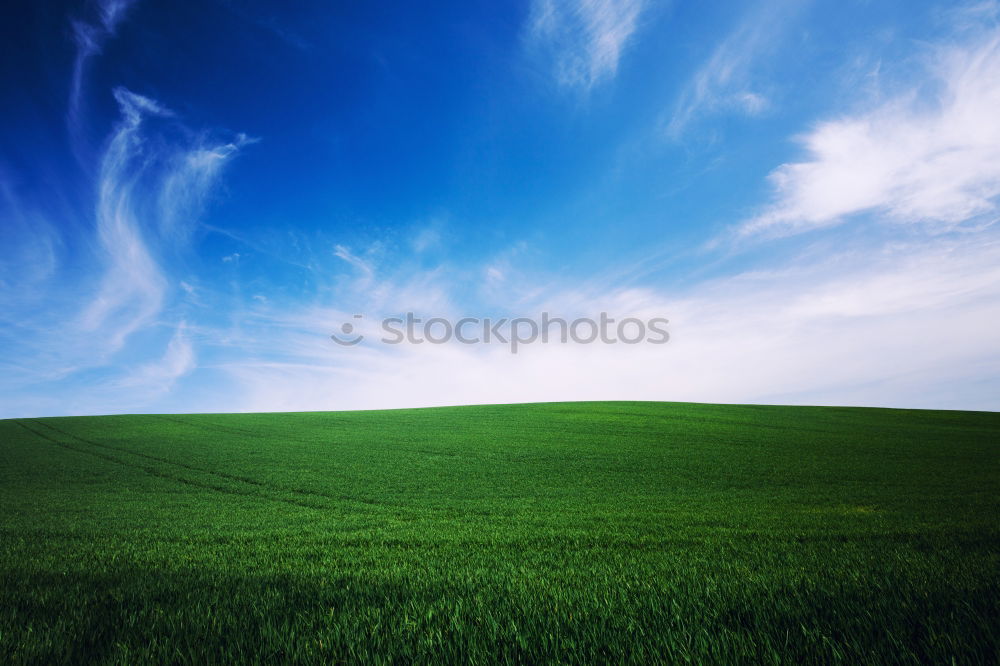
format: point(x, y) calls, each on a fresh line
point(559, 532)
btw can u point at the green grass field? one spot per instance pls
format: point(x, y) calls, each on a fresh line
point(575, 532)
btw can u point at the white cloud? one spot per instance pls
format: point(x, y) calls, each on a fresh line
point(901, 325)
point(727, 80)
point(156, 378)
point(929, 156)
point(583, 39)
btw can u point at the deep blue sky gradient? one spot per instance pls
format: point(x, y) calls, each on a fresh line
point(431, 144)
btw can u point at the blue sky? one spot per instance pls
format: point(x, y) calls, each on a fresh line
point(194, 196)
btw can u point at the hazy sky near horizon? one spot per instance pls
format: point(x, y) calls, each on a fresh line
point(195, 195)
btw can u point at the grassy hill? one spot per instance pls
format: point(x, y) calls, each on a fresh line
point(575, 532)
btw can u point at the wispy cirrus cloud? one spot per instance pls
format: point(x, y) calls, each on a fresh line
point(929, 155)
point(150, 189)
point(147, 191)
point(727, 81)
point(90, 37)
point(583, 40)
point(133, 285)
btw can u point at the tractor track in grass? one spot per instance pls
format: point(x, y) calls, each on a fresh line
point(194, 468)
point(214, 427)
point(220, 475)
point(160, 473)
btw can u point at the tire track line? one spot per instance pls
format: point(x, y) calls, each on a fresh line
point(214, 427)
point(238, 431)
point(158, 473)
point(216, 473)
point(209, 427)
point(194, 468)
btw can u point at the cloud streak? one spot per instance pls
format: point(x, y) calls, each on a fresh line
point(726, 81)
point(583, 40)
point(90, 38)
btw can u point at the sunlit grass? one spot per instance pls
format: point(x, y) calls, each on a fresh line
point(562, 532)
